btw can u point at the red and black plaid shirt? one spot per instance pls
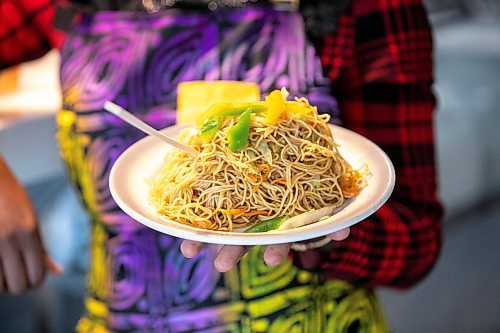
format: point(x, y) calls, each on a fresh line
point(26, 30)
point(380, 63)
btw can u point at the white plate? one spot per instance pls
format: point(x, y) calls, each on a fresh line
point(144, 158)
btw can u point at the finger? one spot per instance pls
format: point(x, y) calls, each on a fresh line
point(340, 235)
point(2, 285)
point(32, 254)
point(276, 254)
point(228, 257)
point(13, 267)
point(309, 259)
point(191, 248)
point(52, 266)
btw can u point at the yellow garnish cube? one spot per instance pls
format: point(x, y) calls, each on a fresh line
point(195, 97)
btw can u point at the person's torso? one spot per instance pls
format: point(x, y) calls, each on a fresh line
point(138, 280)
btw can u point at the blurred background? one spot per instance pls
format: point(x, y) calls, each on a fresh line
point(462, 294)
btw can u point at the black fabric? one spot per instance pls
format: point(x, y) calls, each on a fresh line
point(320, 16)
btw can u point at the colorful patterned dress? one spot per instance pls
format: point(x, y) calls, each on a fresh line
point(138, 280)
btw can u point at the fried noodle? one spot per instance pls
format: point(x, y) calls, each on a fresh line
point(286, 169)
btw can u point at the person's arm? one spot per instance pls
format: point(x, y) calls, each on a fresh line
point(382, 78)
point(26, 30)
point(23, 259)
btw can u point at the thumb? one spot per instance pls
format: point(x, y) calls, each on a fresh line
point(52, 266)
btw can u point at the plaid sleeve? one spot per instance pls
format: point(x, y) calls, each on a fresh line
point(26, 30)
point(380, 64)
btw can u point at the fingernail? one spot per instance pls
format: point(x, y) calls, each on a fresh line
point(221, 267)
point(274, 260)
point(187, 250)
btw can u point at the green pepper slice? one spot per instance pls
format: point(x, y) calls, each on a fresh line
point(212, 124)
point(267, 225)
point(238, 134)
point(209, 128)
point(239, 110)
point(223, 109)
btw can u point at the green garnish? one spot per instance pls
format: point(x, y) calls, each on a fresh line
point(267, 225)
point(213, 123)
point(209, 128)
point(239, 110)
point(238, 134)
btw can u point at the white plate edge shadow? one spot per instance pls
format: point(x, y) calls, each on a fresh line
point(151, 219)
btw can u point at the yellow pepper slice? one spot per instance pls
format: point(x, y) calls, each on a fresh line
point(299, 107)
point(275, 107)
